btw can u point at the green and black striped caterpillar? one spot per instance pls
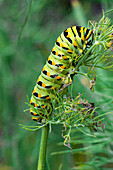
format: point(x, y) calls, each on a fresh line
point(59, 69)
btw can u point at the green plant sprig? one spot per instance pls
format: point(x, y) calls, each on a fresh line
point(98, 55)
point(100, 52)
point(77, 112)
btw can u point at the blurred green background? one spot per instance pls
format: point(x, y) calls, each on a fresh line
point(28, 31)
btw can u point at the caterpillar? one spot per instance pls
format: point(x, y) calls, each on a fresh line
point(59, 69)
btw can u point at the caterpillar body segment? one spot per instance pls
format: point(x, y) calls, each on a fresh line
point(60, 55)
point(58, 72)
point(58, 64)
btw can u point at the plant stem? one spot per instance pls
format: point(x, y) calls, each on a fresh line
point(43, 146)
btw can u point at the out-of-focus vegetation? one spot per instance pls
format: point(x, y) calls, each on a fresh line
point(28, 30)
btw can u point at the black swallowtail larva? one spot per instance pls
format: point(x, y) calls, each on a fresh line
point(58, 71)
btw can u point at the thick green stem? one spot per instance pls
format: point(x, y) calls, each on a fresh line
point(43, 146)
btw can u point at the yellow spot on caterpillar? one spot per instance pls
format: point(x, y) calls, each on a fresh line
point(61, 45)
point(51, 88)
point(33, 91)
point(38, 80)
point(87, 37)
point(68, 36)
point(53, 63)
point(64, 57)
point(69, 51)
point(56, 53)
point(35, 118)
point(43, 85)
point(48, 74)
point(63, 67)
point(43, 69)
point(58, 39)
point(48, 97)
point(39, 95)
point(48, 58)
point(34, 113)
point(74, 43)
point(35, 105)
point(30, 101)
point(88, 34)
point(43, 106)
point(82, 38)
point(57, 77)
